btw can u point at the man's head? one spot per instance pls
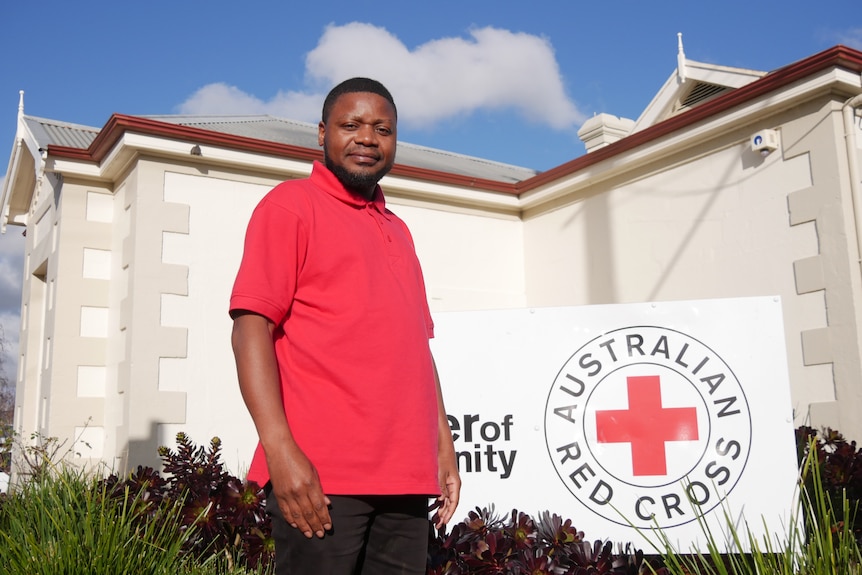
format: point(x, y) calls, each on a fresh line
point(358, 133)
point(352, 86)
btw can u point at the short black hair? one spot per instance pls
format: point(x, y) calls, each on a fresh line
point(351, 86)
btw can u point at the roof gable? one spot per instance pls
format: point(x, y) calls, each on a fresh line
point(693, 83)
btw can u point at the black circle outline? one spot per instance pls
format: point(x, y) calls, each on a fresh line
point(730, 370)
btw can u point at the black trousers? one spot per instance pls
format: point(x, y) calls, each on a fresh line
point(370, 535)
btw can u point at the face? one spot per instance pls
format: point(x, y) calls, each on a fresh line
point(358, 140)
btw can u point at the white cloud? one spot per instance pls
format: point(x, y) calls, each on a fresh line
point(491, 70)
point(221, 99)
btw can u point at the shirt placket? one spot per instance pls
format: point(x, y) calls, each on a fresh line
point(384, 226)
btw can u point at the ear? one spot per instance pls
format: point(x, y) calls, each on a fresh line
point(321, 131)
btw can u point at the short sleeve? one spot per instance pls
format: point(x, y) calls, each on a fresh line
point(273, 255)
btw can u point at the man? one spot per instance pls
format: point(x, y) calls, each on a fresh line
point(331, 329)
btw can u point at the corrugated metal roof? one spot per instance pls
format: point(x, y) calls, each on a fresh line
point(52, 132)
point(272, 129)
point(304, 134)
point(267, 128)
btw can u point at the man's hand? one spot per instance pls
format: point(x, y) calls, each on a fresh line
point(450, 487)
point(296, 487)
point(447, 463)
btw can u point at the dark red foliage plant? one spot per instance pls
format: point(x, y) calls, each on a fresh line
point(519, 545)
point(840, 467)
point(228, 514)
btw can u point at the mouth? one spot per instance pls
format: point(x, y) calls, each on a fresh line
point(364, 158)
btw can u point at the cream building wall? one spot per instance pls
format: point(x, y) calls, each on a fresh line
point(218, 207)
point(719, 220)
point(471, 260)
point(65, 310)
point(104, 322)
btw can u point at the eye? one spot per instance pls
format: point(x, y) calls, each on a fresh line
point(383, 131)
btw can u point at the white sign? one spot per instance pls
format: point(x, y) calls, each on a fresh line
point(625, 418)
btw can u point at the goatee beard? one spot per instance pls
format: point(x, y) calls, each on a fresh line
point(363, 183)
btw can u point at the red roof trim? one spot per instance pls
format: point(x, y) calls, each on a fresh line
point(120, 124)
point(838, 56)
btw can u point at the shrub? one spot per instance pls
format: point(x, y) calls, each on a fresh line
point(486, 544)
point(197, 519)
point(839, 471)
point(225, 517)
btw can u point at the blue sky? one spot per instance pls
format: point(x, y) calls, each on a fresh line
point(506, 81)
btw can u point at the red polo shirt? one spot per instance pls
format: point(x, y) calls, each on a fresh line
point(339, 277)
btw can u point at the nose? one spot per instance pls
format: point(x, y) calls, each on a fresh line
point(366, 135)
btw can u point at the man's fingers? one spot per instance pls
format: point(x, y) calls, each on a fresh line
point(444, 512)
point(447, 502)
point(323, 514)
point(318, 518)
point(312, 519)
point(314, 523)
point(295, 516)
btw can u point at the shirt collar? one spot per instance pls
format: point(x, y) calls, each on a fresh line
point(324, 179)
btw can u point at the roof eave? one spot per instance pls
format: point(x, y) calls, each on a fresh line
point(119, 125)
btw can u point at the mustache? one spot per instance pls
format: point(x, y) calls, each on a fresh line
point(363, 151)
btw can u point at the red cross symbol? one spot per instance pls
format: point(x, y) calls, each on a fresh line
point(646, 425)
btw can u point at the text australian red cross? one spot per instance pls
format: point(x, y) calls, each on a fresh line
point(646, 425)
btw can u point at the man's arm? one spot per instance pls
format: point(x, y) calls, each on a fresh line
point(447, 464)
point(295, 483)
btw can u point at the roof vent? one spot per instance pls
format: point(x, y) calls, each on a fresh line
point(700, 93)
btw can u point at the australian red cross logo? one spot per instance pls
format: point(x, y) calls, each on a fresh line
point(648, 426)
